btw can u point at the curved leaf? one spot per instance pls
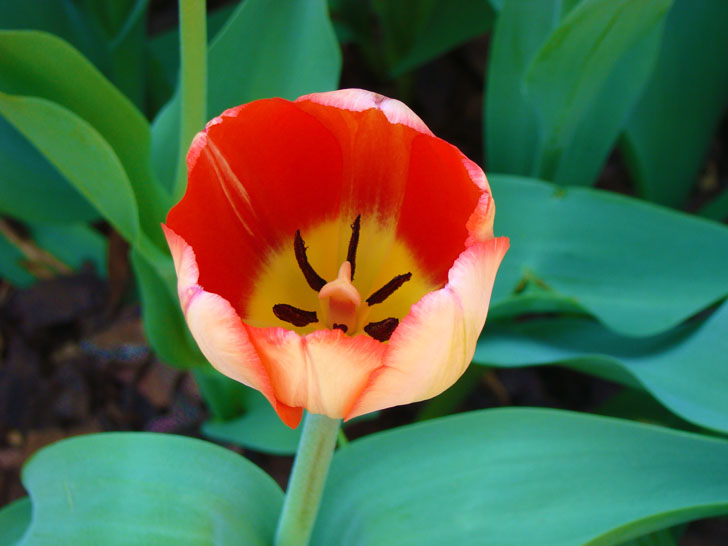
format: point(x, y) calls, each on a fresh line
point(511, 125)
point(417, 31)
point(682, 105)
point(164, 324)
point(575, 62)
point(38, 64)
point(142, 488)
point(31, 189)
point(80, 153)
point(520, 476)
point(14, 520)
point(682, 368)
point(640, 269)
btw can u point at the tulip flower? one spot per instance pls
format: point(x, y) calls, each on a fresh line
point(333, 253)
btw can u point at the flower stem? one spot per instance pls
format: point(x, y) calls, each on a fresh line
point(193, 82)
point(306, 483)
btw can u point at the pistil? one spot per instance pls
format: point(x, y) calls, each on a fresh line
point(340, 300)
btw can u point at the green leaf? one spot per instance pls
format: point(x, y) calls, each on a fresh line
point(73, 244)
point(574, 64)
point(38, 65)
point(520, 476)
point(11, 264)
point(597, 131)
point(258, 428)
point(31, 189)
point(669, 132)
point(681, 367)
point(226, 398)
point(417, 31)
point(14, 520)
point(142, 488)
point(164, 324)
point(717, 209)
point(80, 153)
point(639, 268)
point(511, 125)
point(62, 18)
point(658, 538)
point(266, 49)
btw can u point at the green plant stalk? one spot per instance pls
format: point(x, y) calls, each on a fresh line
point(193, 82)
point(306, 483)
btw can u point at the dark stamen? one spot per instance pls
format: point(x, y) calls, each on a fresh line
point(353, 244)
point(385, 291)
point(342, 327)
point(312, 278)
point(382, 330)
point(294, 315)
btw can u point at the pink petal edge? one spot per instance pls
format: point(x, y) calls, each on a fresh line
point(358, 100)
point(219, 332)
point(434, 344)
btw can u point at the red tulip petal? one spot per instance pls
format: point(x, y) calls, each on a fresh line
point(256, 175)
point(433, 345)
point(396, 168)
point(322, 372)
point(219, 332)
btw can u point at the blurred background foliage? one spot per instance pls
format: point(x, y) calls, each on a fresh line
point(601, 126)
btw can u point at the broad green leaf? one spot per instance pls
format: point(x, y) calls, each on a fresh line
point(73, 244)
point(639, 268)
point(683, 368)
point(80, 153)
point(38, 64)
point(574, 63)
point(164, 324)
point(266, 49)
point(597, 131)
point(658, 538)
point(142, 488)
point(14, 520)
point(416, 31)
point(640, 405)
point(513, 477)
point(31, 189)
point(669, 133)
point(511, 125)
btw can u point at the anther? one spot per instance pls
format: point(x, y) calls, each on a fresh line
point(353, 244)
point(313, 279)
point(341, 327)
point(294, 315)
point(385, 291)
point(383, 329)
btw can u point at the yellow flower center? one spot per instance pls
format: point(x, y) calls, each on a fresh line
point(362, 289)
